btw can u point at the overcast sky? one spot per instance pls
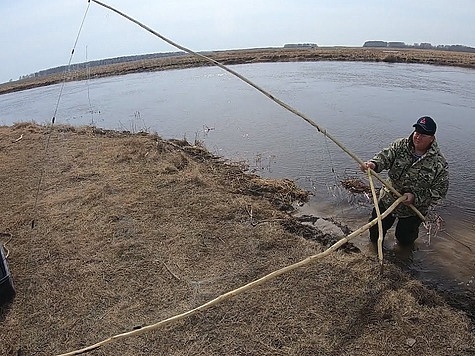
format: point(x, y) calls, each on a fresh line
point(37, 35)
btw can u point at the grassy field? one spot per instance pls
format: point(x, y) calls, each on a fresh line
point(131, 229)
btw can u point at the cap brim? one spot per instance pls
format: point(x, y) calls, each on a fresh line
point(422, 130)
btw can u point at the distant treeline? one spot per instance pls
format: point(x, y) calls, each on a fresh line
point(384, 44)
point(300, 45)
point(101, 62)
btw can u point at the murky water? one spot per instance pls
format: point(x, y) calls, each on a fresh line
point(364, 105)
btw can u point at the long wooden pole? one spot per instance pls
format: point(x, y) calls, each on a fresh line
point(239, 290)
point(270, 96)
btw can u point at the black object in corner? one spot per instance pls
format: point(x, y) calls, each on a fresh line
point(7, 292)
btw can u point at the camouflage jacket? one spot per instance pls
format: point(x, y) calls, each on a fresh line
point(427, 177)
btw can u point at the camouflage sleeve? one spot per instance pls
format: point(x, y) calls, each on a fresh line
point(437, 190)
point(440, 184)
point(385, 158)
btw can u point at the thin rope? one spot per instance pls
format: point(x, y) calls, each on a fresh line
point(270, 96)
point(91, 110)
point(330, 156)
point(334, 190)
point(69, 63)
point(43, 161)
point(48, 140)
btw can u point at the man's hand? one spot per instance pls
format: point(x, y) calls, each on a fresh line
point(409, 198)
point(364, 167)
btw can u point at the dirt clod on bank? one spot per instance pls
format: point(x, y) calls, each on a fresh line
point(132, 229)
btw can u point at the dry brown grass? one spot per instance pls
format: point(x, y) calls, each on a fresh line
point(460, 59)
point(131, 229)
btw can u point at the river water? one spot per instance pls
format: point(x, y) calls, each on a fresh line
point(364, 105)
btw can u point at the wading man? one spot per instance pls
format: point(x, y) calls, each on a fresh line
point(416, 169)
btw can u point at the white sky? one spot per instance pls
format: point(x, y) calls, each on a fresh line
point(37, 35)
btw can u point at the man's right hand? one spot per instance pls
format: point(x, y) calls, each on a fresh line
point(364, 167)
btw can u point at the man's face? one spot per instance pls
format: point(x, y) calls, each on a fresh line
point(421, 141)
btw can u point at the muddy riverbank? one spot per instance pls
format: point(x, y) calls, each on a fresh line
point(130, 229)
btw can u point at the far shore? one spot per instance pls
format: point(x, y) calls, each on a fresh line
point(389, 55)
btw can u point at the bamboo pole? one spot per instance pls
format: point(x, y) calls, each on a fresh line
point(239, 290)
point(380, 221)
point(267, 94)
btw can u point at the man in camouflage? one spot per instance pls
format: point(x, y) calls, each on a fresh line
point(416, 169)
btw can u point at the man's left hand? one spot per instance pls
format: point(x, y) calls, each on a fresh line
point(409, 198)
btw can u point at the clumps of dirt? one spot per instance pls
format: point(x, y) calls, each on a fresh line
point(299, 226)
point(281, 193)
point(28, 127)
point(355, 185)
point(424, 296)
point(391, 58)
